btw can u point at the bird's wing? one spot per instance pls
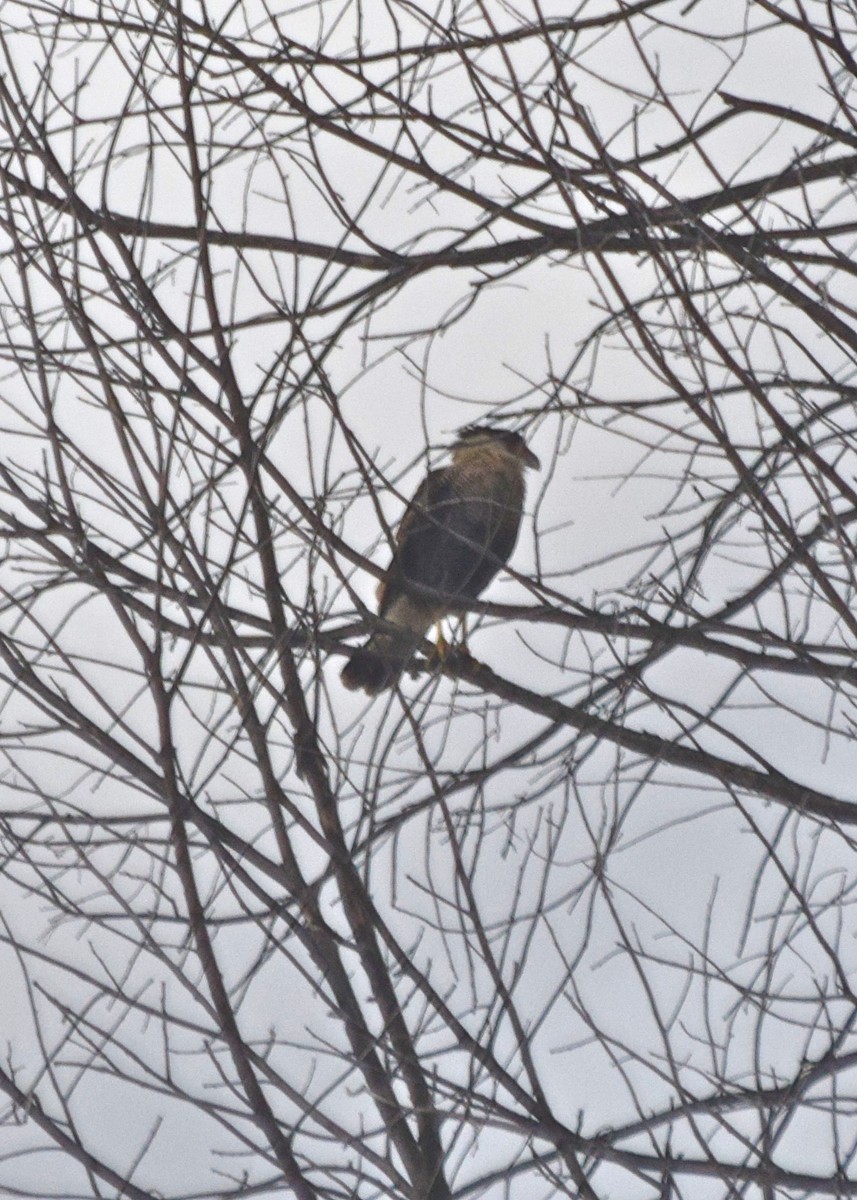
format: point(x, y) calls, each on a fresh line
point(450, 543)
point(411, 533)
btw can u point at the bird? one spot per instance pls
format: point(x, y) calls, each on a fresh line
point(457, 532)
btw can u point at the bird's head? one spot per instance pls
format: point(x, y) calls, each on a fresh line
point(473, 437)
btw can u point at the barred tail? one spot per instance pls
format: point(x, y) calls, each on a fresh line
point(378, 665)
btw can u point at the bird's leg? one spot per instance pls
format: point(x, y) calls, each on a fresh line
point(440, 653)
point(444, 650)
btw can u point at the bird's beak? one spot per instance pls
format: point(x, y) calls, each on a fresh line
point(530, 459)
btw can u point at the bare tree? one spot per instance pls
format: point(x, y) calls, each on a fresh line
point(567, 916)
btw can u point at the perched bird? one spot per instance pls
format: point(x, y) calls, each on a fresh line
point(456, 534)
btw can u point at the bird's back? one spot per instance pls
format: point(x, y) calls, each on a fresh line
point(459, 529)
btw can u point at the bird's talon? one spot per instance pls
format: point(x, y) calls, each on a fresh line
point(435, 660)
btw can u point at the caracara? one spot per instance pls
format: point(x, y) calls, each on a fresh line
point(456, 534)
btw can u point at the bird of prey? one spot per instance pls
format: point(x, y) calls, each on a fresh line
point(456, 534)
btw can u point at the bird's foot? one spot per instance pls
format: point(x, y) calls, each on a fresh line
point(445, 652)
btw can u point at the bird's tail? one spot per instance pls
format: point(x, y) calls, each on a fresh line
point(378, 665)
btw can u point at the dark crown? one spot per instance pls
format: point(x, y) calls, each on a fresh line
point(513, 442)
